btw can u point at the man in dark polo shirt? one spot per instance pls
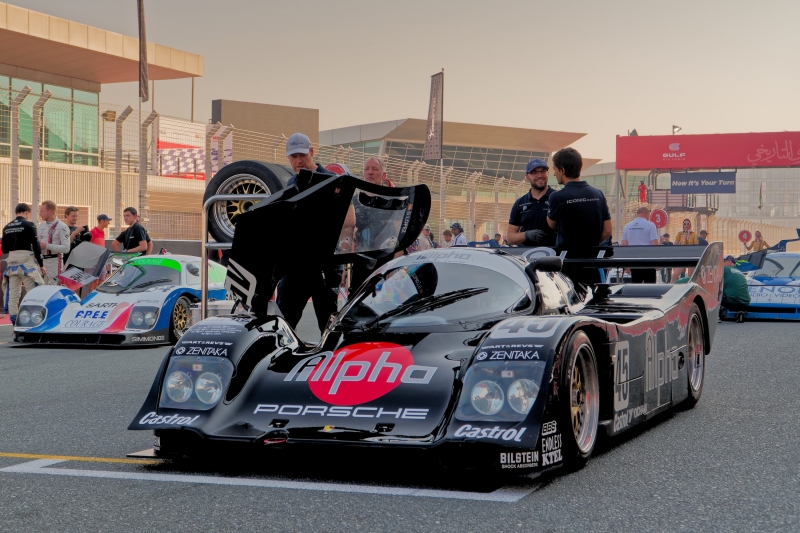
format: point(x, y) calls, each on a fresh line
point(527, 224)
point(578, 212)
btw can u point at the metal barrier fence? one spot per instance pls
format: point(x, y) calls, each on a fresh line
point(89, 154)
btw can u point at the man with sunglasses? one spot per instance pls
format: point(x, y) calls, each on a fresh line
point(527, 224)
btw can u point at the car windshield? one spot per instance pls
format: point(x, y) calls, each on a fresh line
point(775, 267)
point(138, 277)
point(436, 294)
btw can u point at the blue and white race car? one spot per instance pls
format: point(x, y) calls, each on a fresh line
point(147, 301)
point(774, 288)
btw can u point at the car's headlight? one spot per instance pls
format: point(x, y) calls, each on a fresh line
point(178, 386)
point(522, 395)
point(37, 317)
point(24, 317)
point(487, 397)
point(208, 388)
point(143, 317)
point(500, 391)
point(195, 383)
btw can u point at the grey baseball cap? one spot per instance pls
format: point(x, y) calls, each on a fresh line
point(298, 143)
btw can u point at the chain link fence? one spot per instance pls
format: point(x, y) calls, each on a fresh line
point(89, 156)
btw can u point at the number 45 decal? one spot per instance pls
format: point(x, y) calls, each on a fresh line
point(621, 376)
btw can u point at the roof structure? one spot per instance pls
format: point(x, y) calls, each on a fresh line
point(37, 43)
point(455, 133)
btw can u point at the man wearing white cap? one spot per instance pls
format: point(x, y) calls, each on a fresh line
point(424, 240)
point(321, 286)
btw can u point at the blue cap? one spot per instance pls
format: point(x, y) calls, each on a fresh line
point(533, 164)
point(457, 225)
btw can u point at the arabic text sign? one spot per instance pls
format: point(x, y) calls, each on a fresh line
point(703, 182)
point(728, 150)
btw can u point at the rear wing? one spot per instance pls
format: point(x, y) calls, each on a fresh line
point(655, 256)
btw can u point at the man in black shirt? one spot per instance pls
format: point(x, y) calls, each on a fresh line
point(578, 212)
point(527, 224)
point(25, 261)
point(320, 285)
point(133, 239)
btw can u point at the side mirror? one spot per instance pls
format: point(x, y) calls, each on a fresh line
point(548, 264)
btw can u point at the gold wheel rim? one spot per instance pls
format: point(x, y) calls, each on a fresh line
point(578, 395)
point(180, 317)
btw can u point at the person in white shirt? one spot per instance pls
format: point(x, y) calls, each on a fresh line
point(424, 240)
point(458, 235)
point(54, 240)
point(641, 232)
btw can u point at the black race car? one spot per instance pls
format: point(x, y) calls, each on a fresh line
point(489, 356)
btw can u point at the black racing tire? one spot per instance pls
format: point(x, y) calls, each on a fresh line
point(695, 356)
point(579, 411)
point(179, 319)
point(241, 177)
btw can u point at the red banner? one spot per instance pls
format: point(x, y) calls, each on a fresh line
point(721, 150)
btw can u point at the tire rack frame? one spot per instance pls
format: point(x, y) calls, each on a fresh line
point(207, 246)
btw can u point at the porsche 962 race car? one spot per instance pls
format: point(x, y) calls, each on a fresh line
point(489, 356)
point(146, 301)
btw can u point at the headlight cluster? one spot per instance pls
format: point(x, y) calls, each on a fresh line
point(143, 317)
point(496, 390)
point(196, 383)
point(30, 316)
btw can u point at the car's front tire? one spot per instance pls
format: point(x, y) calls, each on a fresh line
point(580, 409)
point(179, 320)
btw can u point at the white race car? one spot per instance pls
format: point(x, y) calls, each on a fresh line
point(147, 301)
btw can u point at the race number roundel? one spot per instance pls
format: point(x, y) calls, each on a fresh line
point(363, 372)
point(659, 218)
point(745, 236)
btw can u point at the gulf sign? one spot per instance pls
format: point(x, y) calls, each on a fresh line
point(722, 150)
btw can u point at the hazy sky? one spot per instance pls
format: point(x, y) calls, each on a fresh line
point(599, 67)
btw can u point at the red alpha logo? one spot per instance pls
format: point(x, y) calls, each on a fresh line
point(360, 373)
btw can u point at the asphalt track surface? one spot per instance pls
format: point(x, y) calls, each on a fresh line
point(730, 464)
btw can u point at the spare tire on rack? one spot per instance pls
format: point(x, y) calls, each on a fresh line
point(241, 177)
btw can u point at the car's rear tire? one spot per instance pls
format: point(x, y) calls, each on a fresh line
point(179, 320)
point(695, 356)
point(241, 177)
point(580, 410)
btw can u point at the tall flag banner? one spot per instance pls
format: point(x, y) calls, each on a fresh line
point(760, 197)
point(433, 133)
point(144, 82)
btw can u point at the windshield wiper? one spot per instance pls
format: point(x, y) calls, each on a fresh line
point(427, 303)
point(153, 282)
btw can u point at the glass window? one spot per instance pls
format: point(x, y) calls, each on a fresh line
point(62, 93)
point(85, 128)
point(18, 84)
point(86, 97)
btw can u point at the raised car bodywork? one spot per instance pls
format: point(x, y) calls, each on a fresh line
point(107, 316)
point(448, 326)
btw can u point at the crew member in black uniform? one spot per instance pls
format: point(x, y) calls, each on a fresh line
point(25, 264)
point(321, 286)
point(527, 224)
point(579, 213)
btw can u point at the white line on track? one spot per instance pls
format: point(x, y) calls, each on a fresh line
point(39, 466)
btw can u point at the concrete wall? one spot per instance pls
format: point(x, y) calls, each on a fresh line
point(267, 118)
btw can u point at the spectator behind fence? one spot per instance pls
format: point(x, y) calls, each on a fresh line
point(702, 238)
point(641, 232)
point(642, 188)
point(757, 244)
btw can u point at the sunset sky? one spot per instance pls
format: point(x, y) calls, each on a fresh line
point(597, 67)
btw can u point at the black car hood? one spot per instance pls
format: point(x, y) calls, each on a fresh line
point(299, 228)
